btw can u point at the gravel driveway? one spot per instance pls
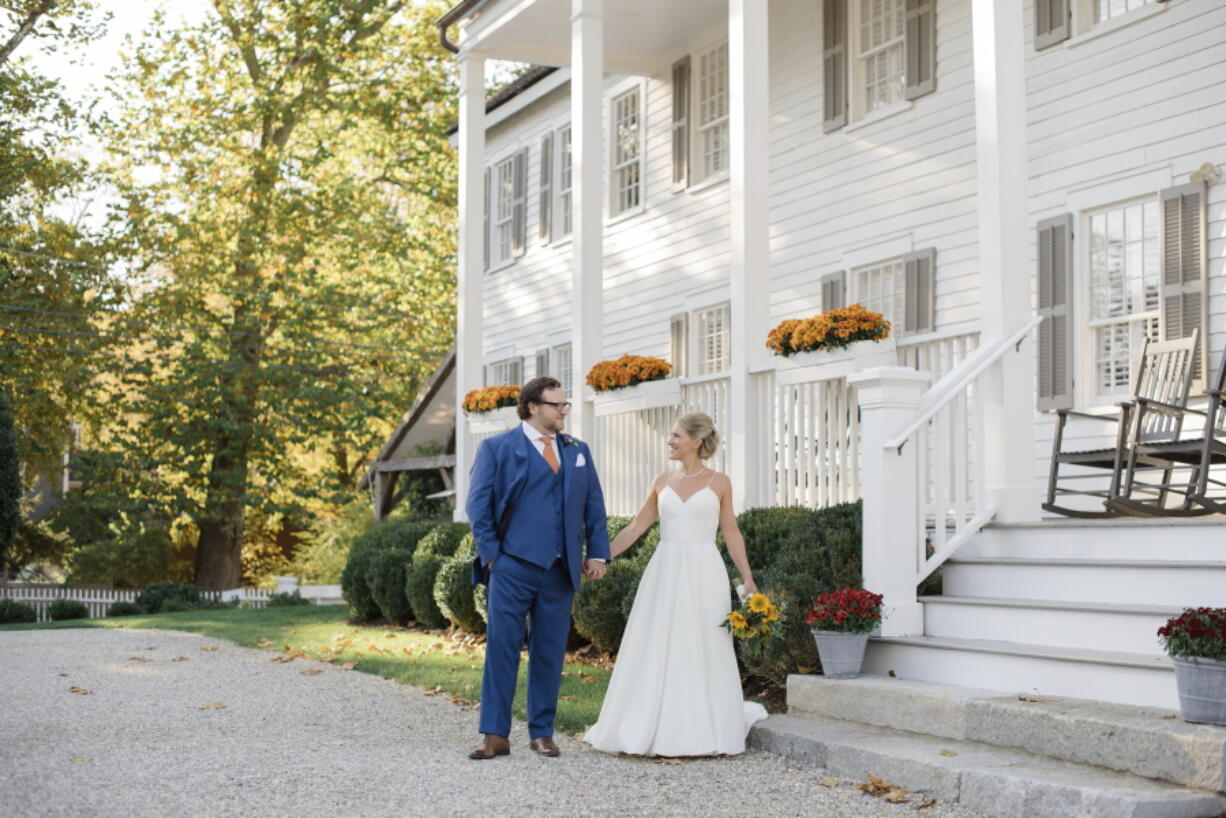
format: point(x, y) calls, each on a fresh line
point(226, 731)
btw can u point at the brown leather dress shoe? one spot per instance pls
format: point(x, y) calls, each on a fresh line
point(494, 745)
point(545, 746)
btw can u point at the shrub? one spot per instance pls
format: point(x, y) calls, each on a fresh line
point(601, 609)
point(355, 579)
point(123, 609)
point(154, 598)
point(13, 611)
point(768, 532)
point(287, 599)
point(385, 575)
point(61, 609)
point(432, 551)
point(481, 601)
point(176, 605)
point(453, 590)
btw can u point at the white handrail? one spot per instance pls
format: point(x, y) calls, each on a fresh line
point(946, 389)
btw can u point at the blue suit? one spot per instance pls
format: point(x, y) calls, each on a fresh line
point(535, 523)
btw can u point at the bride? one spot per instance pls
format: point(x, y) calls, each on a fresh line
point(676, 690)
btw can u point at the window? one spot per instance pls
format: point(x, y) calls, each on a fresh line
point(881, 288)
point(1056, 20)
point(507, 372)
point(1125, 282)
point(901, 289)
point(504, 211)
point(565, 177)
point(627, 185)
point(713, 111)
point(1103, 10)
point(879, 47)
point(564, 371)
point(714, 339)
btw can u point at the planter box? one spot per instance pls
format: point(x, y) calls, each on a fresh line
point(809, 367)
point(647, 395)
point(495, 420)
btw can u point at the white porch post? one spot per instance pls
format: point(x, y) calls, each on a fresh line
point(1008, 396)
point(889, 397)
point(749, 167)
point(470, 278)
point(587, 246)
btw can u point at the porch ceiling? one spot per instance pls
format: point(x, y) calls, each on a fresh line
point(639, 35)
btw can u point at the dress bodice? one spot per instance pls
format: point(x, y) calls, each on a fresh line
point(688, 521)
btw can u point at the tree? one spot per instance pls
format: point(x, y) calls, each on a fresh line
point(294, 254)
point(10, 482)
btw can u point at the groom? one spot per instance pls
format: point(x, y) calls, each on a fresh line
point(533, 498)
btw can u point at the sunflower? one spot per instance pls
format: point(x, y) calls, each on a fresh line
point(759, 603)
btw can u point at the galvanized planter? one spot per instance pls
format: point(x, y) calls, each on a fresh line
point(1202, 689)
point(841, 653)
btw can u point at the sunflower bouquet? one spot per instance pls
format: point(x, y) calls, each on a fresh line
point(756, 619)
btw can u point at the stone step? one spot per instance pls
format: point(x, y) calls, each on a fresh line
point(1135, 538)
point(1146, 680)
point(1181, 584)
point(998, 782)
point(1111, 626)
point(1138, 740)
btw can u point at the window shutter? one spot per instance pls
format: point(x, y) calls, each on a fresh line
point(485, 244)
point(542, 363)
point(1183, 266)
point(545, 209)
point(834, 64)
point(516, 371)
point(678, 344)
point(1055, 280)
point(519, 204)
point(834, 291)
point(681, 123)
point(919, 304)
point(1051, 22)
point(920, 45)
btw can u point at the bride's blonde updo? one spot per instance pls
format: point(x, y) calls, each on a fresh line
point(699, 426)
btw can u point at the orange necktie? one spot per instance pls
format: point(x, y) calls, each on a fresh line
point(550, 457)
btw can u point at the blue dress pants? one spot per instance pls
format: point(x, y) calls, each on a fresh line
point(520, 591)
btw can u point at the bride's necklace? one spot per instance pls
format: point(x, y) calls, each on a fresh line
point(684, 473)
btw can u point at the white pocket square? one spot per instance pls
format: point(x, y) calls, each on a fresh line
point(580, 460)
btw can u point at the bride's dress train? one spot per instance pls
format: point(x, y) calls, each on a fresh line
point(676, 690)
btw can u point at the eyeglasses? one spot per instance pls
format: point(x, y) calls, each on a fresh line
point(561, 406)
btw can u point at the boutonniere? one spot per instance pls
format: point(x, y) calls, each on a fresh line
point(567, 440)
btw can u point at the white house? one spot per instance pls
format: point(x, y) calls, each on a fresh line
point(695, 171)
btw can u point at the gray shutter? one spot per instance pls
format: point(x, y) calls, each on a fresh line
point(1183, 266)
point(485, 243)
point(517, 371)
point(542, 362)
point(1051, 22)
point(834, 64)
point(1055, 283)
point(920, 44)
point(678, 344)
point(519, 204)
point(919, 303)
point(834, 291)
point(545, 209)
point(681, 123)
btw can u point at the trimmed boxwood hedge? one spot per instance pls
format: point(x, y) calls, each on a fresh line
point(387, 535)
point(154, 598)
point(13, 611)
point(431, 553)
point(123, 609)
point(453, 589)
point(62, 609)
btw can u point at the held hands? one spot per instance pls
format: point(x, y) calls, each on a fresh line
point(593, 569)
point(751, 587)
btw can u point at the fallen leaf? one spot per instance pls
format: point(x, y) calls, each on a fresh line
point(1035, 699)
point(389, 635)
point(61, 674)
point(348, 665)
point(947, 753)
point(1168, 716)
point(925, 804)
point(139, 658)
point(897, 796)
point(212, 706)
point(79, 691)
point(310, 671)
point(81, 759)
point(669, 761)
point(892, 675)
point(590, 679)
point(829, 782)
point(284, 657)
point(880, 788)
point(179, 659)
point(208, 647)
point(803, 670)
point(263, 641)
point(560, 698)
point(451, 669)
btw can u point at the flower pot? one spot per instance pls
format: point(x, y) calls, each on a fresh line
point(1202, 689)
point(495, 420)
point(841, 653)
point(809, 367)
point(636, 398)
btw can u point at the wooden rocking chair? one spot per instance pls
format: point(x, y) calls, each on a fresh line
point(1164, 375)
point(1198, 455)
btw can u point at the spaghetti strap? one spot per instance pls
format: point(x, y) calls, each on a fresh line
point(710, 479)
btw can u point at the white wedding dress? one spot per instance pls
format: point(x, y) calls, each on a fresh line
point(676, 690)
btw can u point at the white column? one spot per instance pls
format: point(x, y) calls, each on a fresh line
point(888, 397)
point(587, 244)
point(470, 330)
point(1008, 396)
point(749, 245)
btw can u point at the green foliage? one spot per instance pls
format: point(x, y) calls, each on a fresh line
point(600, 611)
point(385, 574)
point(13, 611)
point(453, 589)
point(287, 599)
point(321, 557)
point(61, 609)
point(10, 481)
point(770, 531)
point(432, 551)
point(1196, 633)
point(366, 563)
point(162, 597)
point(481, 601)
point(124, 609)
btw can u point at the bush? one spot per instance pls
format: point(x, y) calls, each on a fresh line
point(385, 574)
point(453, 590)
point(123, 609)
point(287, 599)
point(154, 599)
point(176, 605)
point(382, 536)
point(13, 611)
point(481, 601)
point(432, 551)
point(601, 607)
point(61, 609)
point(768, 532)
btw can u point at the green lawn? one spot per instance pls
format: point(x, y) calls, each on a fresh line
point(427, 659)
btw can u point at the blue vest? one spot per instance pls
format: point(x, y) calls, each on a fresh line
point(534, 532)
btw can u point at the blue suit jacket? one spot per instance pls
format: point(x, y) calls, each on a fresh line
point(498, 474)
